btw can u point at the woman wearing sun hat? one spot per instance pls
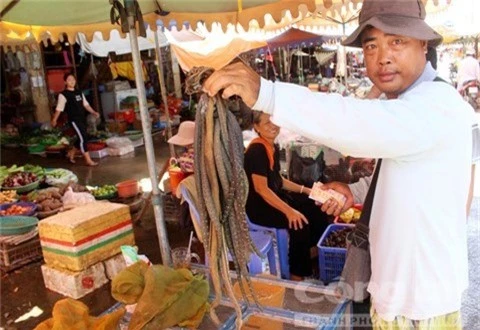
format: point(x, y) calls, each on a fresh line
point(184, 138)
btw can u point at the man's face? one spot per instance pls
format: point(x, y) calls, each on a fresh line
point(393, 62)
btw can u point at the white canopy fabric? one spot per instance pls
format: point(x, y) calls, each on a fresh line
point(100, 47)
point(215, 51)
point(116, 43)
point(459, 20)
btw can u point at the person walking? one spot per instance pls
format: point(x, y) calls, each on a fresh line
point(74, 103)
point(468, 70)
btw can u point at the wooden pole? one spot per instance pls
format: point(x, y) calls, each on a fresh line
point(72, 54)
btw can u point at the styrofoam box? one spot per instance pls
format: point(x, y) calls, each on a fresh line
point(114, 265)
point(99, 153)
point(120, 151)
point(74, 284)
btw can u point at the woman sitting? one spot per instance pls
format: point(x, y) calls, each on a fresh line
point(270, 205)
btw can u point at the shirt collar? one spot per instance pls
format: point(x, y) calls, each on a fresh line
point(429, 74)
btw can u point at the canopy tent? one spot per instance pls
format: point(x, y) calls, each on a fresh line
point(336, 17)
point(460, 20)
point(294, 37)
point(289, 40)
point(51, 19)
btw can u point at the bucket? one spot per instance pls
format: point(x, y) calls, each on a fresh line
point(268, 295)
point(176, 176)
point(127, 188)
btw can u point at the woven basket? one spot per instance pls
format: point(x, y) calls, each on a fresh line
point(16, 256)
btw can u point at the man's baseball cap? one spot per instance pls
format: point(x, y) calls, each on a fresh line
point(402, 17)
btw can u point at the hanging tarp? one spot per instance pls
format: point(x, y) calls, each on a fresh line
point(116, 43)
point(214, 52)
point(323, 57)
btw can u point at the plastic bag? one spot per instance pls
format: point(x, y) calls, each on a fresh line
point(72, 199)
point(119, 142)
point(59, 177)
point(306, 170)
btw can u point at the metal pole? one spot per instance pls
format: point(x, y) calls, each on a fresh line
point(345, 54)
point(163, 90)
point(157, 201)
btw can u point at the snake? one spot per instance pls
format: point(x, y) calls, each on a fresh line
point(222, 189)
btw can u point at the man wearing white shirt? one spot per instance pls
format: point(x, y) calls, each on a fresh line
point(468, 70)
point(423, 133)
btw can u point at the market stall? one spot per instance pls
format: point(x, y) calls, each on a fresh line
point(296, 315)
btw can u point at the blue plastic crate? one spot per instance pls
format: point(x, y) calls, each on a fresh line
point(331, 260)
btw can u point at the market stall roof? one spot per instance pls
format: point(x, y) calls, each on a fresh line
point(50, 19)
point(459, 21)
point(294, 37)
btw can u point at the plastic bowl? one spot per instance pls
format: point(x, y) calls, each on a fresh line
point(23, 189)
point(127, 188)
point(32, 206)
point(16, 225)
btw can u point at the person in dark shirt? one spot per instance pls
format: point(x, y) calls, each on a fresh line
point(269, 204)
point(74, 103)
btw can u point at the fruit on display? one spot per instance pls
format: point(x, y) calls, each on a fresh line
point(15, 210)
point(48, 201)
point(106, 190)
point(351, 215)
point(8, 196)
point(19, 179)
point(337, 238)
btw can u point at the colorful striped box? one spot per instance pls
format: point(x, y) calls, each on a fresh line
point(85, 235)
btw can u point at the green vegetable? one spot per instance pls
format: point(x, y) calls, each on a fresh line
point(35, 169)
point(105, 190)
point(5, 171)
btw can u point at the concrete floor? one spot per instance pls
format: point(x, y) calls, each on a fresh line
point(23, 289)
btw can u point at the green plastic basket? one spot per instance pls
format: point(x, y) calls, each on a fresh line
point(16, 225)
point(25, 188)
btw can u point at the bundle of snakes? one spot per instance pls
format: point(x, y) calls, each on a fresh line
point(222, 189)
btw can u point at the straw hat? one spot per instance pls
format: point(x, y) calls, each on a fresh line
point(402, 17)
point(185, 135)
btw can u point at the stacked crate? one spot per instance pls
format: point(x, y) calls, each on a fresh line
point(76, 242)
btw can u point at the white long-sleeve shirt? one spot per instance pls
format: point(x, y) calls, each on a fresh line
point(468, 69)
point(418, 226)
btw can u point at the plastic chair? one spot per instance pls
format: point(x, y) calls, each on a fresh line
point(280, 242)
point(262, 241)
